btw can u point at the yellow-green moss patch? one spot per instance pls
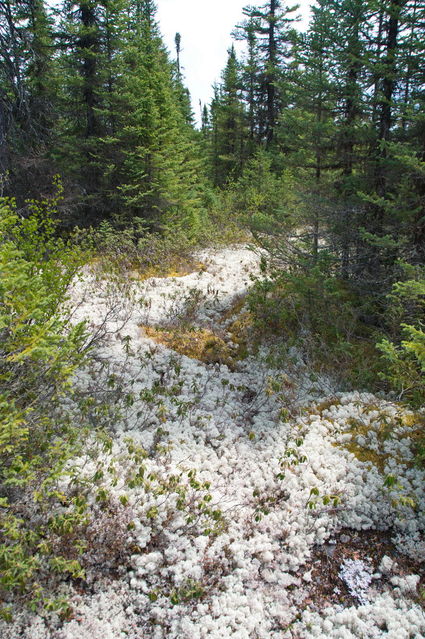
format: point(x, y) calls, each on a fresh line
point(176, 268)
point(239, 324)
point(326, 404)
point(364, 454)
point(196, 343)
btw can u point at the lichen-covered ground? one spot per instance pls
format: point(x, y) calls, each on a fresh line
point(256, 505)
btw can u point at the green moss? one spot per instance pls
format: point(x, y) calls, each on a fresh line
point(367, 455)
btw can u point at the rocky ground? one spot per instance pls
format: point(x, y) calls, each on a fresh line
point(254, 502)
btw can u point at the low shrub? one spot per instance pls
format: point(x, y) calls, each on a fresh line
point(320, 315)
point(403, 348)
point(39, 351)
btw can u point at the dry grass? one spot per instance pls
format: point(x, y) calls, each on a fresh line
point(196, 343)
point(179, 267)
point(239, 323)
point(319, 408)
point(228, 344)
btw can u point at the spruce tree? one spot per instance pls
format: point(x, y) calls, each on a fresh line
point(154, 173)
point(229, 123)
point(182, 93)
point(270, 25)
point(90, 38)
point(306, 133)
point(351, 19)
point(250, 73)
point(27, 95)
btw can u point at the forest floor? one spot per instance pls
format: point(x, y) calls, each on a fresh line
point(264, 510)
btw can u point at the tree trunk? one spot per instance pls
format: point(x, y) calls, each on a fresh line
point(271, 74)
point(89, 47)
point(389, 77)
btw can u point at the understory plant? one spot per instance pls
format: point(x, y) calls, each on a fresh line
point(133, 246)
point(403, 351)
point(308, 307)
point(39, 351)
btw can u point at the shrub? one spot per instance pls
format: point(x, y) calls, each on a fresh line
point(264, 200)
point(39, 351)
point(403, 351)
point(312, 309)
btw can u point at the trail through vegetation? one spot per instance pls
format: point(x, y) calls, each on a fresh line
point(243, 488)
point(201, 438)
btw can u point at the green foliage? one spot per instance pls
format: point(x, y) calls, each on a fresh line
point(131, 246)
point(151, 156)
point(40, 350)
point(28, 86)
point(291, 458)
point(188, 591)
point(264, 200)
point(319, 314)
point(36, 270)
point(228, 134)
point(286, 303)
point(404, 354)
point(314, 499)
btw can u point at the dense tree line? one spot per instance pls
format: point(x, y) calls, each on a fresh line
point(334, 116)
point(88, 91)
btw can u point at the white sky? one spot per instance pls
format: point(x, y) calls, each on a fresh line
point(205, 27)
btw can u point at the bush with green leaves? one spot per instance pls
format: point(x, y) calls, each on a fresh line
point(312, 309)
point(403, 351)
point(132, 246)
point(262, 198)
point(39, 351)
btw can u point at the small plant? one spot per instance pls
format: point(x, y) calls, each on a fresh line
point(291, 458)
point(304, 305)
point(332, 500)
point(397, 493)
point(189, 590)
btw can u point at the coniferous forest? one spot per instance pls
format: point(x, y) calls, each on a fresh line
point(312, 153)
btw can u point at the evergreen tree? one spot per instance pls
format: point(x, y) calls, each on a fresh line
point(178, 40)
point(389, 71)
point(182, 93)
point(269, 24)
point(84, 74)
point(351, 19)
point(155, 172)
point(27, 94)
point(307, 133)
point(229, 128)
point(389, 219)
point(91, 39)
point(250, 75)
